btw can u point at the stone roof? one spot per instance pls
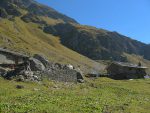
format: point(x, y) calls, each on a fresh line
point(13, 53)
point(127, 64)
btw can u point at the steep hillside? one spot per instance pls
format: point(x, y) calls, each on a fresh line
point(98, 43)
point(10, 8)
point(28, 37)
point(30, 27)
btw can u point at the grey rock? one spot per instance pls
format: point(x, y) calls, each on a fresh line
point(20, 78)
point(19, 86)
point(80, 80)
point(27, 76)
point(42, 59)
point(63, 73)
point(147, 76)
point(36, 65)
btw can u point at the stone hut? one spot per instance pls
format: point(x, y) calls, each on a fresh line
point(123, 70)
point(11, 59)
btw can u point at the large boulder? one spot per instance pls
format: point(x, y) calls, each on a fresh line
point(36, 65)
point(42, 59)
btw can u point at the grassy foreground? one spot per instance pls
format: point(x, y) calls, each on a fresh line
point(101, 95)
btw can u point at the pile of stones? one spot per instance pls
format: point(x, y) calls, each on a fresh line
point(39, 67)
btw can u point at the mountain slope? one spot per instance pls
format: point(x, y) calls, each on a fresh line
point(28, 37)
point(19, 7)
point(30, 27)
point(98, 43)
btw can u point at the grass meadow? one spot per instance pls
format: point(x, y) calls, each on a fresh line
point(100, 95)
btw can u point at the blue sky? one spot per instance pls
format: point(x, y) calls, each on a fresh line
point(128, 17)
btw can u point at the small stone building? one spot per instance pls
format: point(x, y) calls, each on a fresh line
point(122, 70)
point(11, 59)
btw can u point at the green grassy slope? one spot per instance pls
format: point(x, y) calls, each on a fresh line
point(28, 38)
point(32, 25)
point(95, 96)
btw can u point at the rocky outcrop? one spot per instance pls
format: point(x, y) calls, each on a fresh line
point(56, 71)
point(41, 10)
point(35, 68)
point(29, 17)
point(13, 7)
point(102, 44)
point(8, 8)
point(97, 44)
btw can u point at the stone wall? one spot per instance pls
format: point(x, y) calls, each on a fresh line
point(62, 73)
point(38, 67)
point(55, 71)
